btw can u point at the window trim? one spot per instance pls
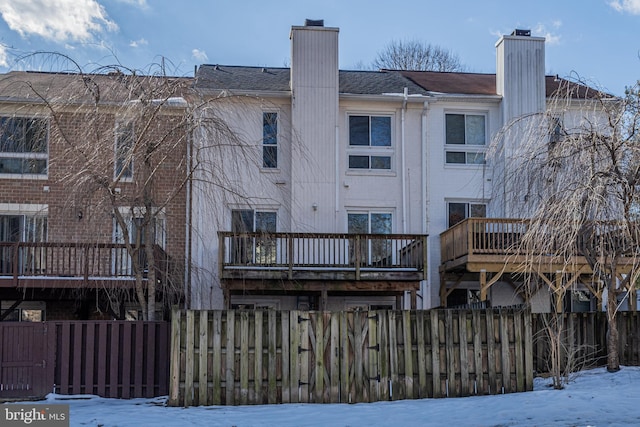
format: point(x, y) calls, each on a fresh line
point(371, 151)
point(124, 177)
point(29, 155)
point(467, 149)
point(263, 145)
point(468, 204)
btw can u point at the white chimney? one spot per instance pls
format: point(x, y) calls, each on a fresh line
point(314, 120)
point(520, 74)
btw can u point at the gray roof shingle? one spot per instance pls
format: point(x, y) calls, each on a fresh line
point(219, 77)
point(222, 77)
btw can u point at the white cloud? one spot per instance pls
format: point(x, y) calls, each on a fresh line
point(138, 43)
point(3, 56)
point(550, 38)
point(199, 55)
point(142, 4)
point(57, 20)
point(629, 6)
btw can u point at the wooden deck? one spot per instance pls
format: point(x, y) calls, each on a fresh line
point(325, 262)
point(489, 249)
point(69, 265)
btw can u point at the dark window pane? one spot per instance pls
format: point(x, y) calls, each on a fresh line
point(36, 136)
point(478, 211)
point(11, 165)
point(456, 157)
point(381, 131)
point(11, 135)
point(475, 158)
point(475, 130)
point(380, 162)
point(381, 223)
point(358, 130)
point(358, 223)
point(124, 146)
point(242, 220)
point(358, 162)
point(35, 166)
point(556, 130)
point(270, 156)
point(266, 222)
point(270, 128)
point(455, 129)
point(457, 212)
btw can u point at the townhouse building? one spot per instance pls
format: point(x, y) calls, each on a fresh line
point(72, 159)
point(306, 187)
point(343, 182)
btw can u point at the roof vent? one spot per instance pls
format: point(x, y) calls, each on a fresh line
point(524, 33)
point(314, 22)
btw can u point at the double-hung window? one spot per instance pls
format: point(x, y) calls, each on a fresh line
point(125, 139)
point(24, 145)
point(370, 142)
point(269, 140)
point(466, 139)
point(458, 211)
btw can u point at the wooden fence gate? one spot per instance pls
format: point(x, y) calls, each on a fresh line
point(255, 357)
point(26, 365)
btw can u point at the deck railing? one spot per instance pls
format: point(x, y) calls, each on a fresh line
point(503, 236)
point(78, 260)
point(486, 236)
point(322, 251)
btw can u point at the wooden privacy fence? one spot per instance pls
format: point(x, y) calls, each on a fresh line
point(255, 357)
point(584, 339)
point(108, 358)
point(112, 358)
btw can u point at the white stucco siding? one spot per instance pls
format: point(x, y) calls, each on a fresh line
point(231, 176)
point(451, 182)
point(313, 163)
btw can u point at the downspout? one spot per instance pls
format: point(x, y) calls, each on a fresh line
point(425, 166)
point(403, 168)
point(337, 166)
point(189, 223)
point(425, 193)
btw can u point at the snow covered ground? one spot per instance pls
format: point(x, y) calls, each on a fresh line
point(592, 398)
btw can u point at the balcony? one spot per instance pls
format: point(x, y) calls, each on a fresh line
point(322, 261)
point(67, 265)
point(494, 244)
point(484, 250)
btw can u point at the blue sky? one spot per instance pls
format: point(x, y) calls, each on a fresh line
point(595, 40)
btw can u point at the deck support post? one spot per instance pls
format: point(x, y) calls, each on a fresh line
point(483, 285)
point(558, 292)
point(322, 306)
point(633, 302)
point(227, 299)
